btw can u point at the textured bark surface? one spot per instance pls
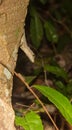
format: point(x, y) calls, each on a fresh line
point(12, 17)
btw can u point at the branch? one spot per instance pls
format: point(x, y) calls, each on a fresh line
point(30, 89)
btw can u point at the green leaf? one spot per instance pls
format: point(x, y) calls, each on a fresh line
point(43, 1)
point(58, 15)
point(63, 41)
point(69, 88)
point(59, 72)
point(29, 79)
point(31, 121)
point(51, 33)
point(36, 30)
point(59, 84)
point(59, 100)
point(32, 10)
point(67, 5)
point(61, 87)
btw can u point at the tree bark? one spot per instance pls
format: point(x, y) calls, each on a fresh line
point(12, 17)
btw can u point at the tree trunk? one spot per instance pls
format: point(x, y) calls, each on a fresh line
point(12, 17)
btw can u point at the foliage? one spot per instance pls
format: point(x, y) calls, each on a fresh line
point(50, 21)
point(51, 33)
point(36, 29)
point(60, 101)
point(46, 19)
point(59, 72)
point(30, 122)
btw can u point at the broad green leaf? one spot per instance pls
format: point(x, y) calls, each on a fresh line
point(36, 30)
point(59, 72)
point(59, 100)
point(31, 121)
point(51, 33)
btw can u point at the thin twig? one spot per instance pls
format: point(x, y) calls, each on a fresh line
point(30, 89)
point(61, 23)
